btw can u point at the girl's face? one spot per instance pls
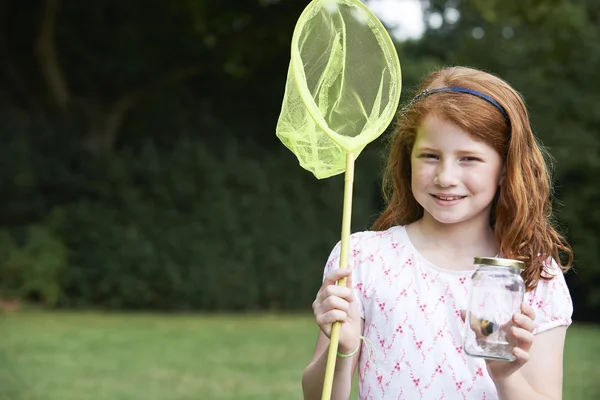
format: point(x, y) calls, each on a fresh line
point(454, 177)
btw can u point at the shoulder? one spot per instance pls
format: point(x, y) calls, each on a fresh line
point(373, 239)
point(395, 234)
point(551, 269)
point(551, 299)
point(553, 280)
point(382, 243)
point(369, 246)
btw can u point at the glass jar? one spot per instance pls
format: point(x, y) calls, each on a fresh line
point(496, 293)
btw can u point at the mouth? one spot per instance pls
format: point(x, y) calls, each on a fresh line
point(448, 198)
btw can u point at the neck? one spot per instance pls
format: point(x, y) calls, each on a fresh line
point(474, 236)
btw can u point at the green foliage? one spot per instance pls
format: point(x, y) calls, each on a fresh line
point(31, 264)
point(204, 227)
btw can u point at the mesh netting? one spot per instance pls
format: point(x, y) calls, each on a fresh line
point(343, 85)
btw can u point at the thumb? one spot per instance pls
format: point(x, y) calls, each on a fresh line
point(346, 281)
point(354, 312)
point(474, 320)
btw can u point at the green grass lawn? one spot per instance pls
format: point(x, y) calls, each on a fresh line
point(86, 356)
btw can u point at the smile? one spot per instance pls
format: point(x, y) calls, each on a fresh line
point(448, 198)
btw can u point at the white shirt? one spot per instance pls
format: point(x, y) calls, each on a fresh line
point(411, 311)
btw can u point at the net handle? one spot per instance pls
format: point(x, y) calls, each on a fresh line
point(345, 241)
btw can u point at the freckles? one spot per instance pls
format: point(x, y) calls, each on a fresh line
point(426, 172)
point(481, 179)
point(421, 177)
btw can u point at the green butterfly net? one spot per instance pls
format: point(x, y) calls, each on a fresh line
point(343, 85)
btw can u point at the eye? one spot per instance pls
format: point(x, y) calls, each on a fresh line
point(429, 156)
point(471, 159)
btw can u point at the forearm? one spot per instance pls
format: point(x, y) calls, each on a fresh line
point(516, 387)
point(314, 374)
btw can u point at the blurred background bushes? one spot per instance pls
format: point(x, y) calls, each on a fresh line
point(140, 168)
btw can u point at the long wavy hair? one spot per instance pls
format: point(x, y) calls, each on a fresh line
point(521, 215)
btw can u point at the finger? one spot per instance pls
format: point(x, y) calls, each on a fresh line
point(522, 356)
point(336, 291)
point(524, 337)
point(528, 310)
point(334, 303)
point(347, 280)
point(342, 293)
point(523, 321)
point(475, 324)
point(335, 275)
point(473, 319)
point(354, 311)
point(331, 316)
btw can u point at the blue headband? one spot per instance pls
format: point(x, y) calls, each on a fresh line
point(485, 97)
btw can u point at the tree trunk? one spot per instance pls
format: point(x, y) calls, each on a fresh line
point(48, 59)
point(105, 126)
point(104, 123)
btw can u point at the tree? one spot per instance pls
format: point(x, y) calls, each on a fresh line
point(94, 62)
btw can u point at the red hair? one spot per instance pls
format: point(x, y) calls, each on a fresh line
point(521, 215)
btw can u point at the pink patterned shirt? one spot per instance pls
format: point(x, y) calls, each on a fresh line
point(411, 311)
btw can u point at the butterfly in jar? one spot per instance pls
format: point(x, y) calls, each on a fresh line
point(487, 327)
point(483, 326)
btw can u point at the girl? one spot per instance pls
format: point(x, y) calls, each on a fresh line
point(465, 178)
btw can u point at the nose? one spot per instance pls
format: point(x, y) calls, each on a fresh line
point(445, 175)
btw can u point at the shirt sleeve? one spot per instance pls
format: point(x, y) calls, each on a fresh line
point(551, 300)
point(333, 262)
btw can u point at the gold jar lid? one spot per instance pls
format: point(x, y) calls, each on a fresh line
point(500, 262)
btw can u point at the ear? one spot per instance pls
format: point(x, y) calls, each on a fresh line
point(502, 176)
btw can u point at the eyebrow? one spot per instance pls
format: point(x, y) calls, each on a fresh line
point(426, 149)
point(459, 152)
point(471, 152)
